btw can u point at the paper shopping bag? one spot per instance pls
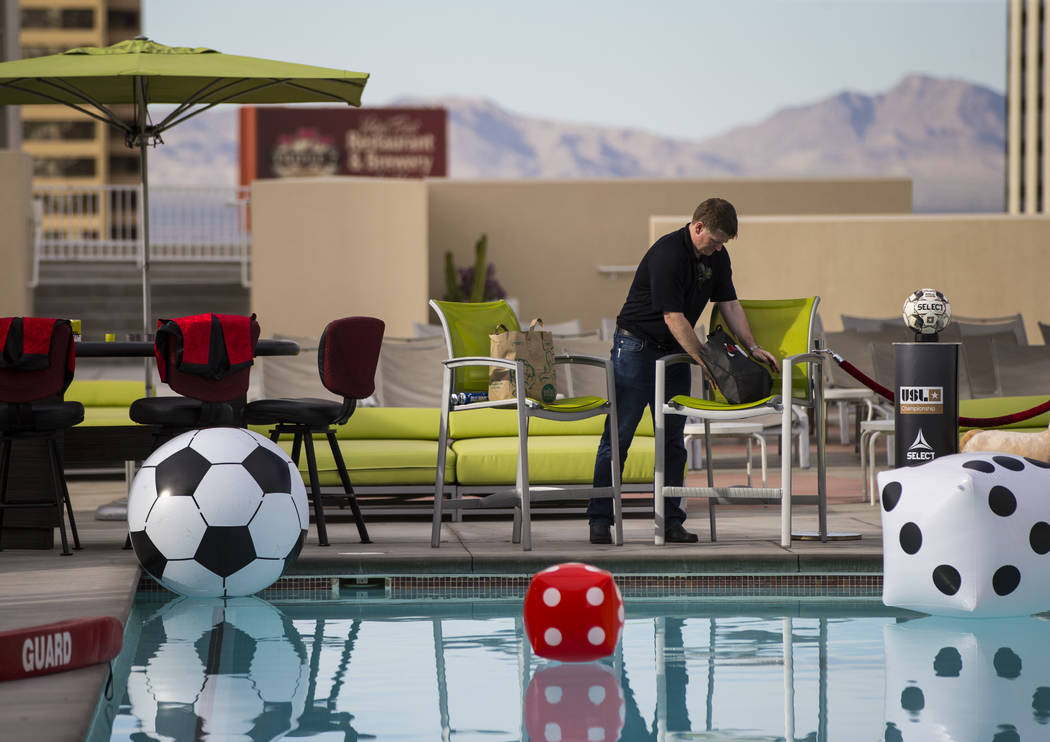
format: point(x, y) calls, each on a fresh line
point(535, 349)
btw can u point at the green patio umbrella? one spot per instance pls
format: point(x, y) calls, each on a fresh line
point(139, 72)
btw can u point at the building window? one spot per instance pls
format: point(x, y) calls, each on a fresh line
point(122, 20)
point(119, 165)
point(63, 167)
point(58, 18)
point(39, 130)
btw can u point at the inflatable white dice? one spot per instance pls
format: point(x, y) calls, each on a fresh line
point(967, 534)
point(959, 679)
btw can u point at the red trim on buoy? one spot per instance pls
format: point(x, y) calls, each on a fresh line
point(56, 647)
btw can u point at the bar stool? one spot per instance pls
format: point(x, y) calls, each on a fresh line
point(207, 360)
point(347, 357)
point(37, 360)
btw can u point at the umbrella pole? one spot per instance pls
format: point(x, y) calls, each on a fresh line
point(147, 310)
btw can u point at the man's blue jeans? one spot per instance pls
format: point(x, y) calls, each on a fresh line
point(634, 364)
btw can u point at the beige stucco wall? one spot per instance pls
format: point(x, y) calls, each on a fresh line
point(986, 264)
point(326, 248)
point(16, 226)
point(548, 238)
point(329, 247)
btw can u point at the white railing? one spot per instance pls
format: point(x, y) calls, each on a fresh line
point(103, 223)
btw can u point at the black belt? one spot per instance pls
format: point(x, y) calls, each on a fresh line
point(646, 341)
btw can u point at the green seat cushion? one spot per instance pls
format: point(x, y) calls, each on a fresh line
point(573, 404)
point(553, 459)
point(996, 406)
point(378, 462)
point(695, 403)
point(106, 416)
point(105, 392)
point(372, 423)
point(488, 422)
point(383, 423)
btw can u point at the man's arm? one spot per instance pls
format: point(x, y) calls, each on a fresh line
point(737, 321)
point(686, 336)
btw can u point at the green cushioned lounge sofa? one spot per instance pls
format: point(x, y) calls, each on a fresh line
point(391, 452)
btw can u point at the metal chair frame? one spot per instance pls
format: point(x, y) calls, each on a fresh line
point(812, 363)
point(523, 494)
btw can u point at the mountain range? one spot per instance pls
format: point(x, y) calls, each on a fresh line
point(948, 135)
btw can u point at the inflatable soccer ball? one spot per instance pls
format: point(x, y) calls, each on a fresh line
point(217, 513)
point(927, 311)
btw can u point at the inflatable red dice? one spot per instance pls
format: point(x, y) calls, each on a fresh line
point(573, 613)
point(581, 702)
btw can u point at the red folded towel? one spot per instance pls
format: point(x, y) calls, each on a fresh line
point(209, 345)
point(25, 344)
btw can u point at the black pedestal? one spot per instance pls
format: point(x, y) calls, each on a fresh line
point(927, 406)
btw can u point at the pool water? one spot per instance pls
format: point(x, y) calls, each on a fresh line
point(696, 669)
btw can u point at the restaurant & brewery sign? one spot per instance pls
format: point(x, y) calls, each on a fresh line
point(293, 141)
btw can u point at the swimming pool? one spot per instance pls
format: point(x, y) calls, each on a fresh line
point(701, 668)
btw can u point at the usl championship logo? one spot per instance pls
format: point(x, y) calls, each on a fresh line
point(921, 400)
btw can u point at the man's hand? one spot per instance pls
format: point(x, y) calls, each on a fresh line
point(686, 336)
point(762, 355)
point(737, 321)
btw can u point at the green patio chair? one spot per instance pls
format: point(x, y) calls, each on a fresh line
point(467, 327)
point(785, 328)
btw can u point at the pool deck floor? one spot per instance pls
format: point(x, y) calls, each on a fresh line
point(40, 587)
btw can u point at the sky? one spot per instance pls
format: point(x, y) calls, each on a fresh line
point(688, 69)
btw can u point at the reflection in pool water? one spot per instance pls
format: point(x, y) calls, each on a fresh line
point(246, 669)
point(962, 679)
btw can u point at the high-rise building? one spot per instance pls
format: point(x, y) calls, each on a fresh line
point(67, 146)
point(1027, 116)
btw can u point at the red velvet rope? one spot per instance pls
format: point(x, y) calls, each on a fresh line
point(968, 422)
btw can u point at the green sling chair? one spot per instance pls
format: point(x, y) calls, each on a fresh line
point(785, 328)
point(467, 327)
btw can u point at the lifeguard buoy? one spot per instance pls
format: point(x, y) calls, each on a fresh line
point(57, 647)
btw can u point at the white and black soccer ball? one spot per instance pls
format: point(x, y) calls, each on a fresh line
point(218, 512)
point(927, 311)
point(236, 667)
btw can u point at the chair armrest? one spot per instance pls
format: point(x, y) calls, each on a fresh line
point(675, 358)
point(796, 360)
point(581, 360)
point(574, 359)
point(804, 358)
point(480, 361)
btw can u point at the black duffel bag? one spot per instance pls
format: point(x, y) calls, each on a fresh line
point(739, 378)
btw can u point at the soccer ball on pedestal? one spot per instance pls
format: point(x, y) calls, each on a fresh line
point(927, 311)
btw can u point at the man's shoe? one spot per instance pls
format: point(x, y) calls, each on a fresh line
point(674, 534)
point(601, 533)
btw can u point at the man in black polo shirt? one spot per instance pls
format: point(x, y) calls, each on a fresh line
point(679, 274)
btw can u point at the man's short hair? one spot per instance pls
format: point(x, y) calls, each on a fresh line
point(717, 213)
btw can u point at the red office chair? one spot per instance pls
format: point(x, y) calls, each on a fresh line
point(37, 359)
point(207, 359)
point(346, 359)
